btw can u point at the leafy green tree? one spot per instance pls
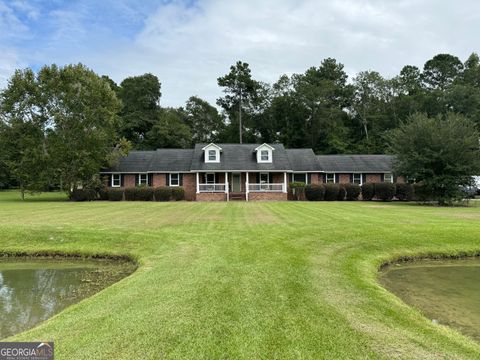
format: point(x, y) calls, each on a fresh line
point(442, 153)
point(240, 102)
point(169, 131)
point(441, 70)
point(205, 123)
point(140, 96)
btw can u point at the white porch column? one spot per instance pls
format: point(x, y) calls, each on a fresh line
point(246, 187)
point(284, 182)
point(198, 183)
point(226, 185)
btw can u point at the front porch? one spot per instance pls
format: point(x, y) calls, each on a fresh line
point(226, 186)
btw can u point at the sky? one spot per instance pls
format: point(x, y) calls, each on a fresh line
point(188, 44)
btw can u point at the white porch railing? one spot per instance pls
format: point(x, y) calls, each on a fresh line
point(266, 187)
point(211, 187)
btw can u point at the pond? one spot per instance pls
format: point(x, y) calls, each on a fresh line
point(446, 291)
point(32, 290)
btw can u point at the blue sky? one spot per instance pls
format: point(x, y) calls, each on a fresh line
point(188, 44)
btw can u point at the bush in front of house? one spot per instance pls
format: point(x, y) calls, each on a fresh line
point(342, 192)
point(103, 194)
point(368, 191)
point(162, 193)
point(384, 191)
point(421, 193)
point(315, 192)
point(404, 191)
point(178, 193)
point(353, 191)
point(143, 193)
point(130, 193)
point(115, 194)
point(297, 189)
point(83, 195)
point(331, 192)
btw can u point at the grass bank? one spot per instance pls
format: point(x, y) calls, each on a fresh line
point(243, 280)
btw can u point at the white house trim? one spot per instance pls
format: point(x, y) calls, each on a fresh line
point(209, 150)
point(264, 153)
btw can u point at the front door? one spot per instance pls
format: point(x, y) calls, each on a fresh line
point(236, 187)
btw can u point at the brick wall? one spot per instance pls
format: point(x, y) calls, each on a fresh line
point(374, 178)
point(343, 178)
point(316, 178)
point(159, 180)
point(267, 196)
point(190, 186)
point(400, 180)
point(129, 180)
point(211, 197)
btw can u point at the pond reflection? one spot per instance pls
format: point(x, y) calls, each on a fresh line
point(31, 291)
point(447, 291)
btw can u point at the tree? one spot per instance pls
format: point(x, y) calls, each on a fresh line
point(442, 153)
point(242, 97)
point(205, 123)
point(441, 70)
point(140, 96)
point(60, 126)
point(169, 130)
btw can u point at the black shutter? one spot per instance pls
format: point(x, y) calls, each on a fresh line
point(122, 180)
point(109, 179)
point(364, 178)
point(257, 178)
point(150, 179)
point(351, 178)
point(137, 176)
point(309, 178)
point(382, 177)
point(337, 178)
point(217, 175)
point(270, 177)
point(290, 176)
point(180, 179)
point(167, 179)
point(395, 178)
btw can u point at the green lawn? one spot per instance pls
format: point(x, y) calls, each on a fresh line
point(277, 280)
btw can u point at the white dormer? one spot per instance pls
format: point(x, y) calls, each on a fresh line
point(264, 153)
point(212, 153)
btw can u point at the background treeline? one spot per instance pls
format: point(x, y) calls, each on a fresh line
point(321, 109)
point(60, 125)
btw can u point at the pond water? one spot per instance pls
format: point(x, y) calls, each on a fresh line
point(446, 291)
point(31, 291)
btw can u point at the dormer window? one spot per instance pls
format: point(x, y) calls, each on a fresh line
point(212, 153)
point(264, 153)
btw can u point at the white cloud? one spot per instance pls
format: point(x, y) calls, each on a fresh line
point(189, 46)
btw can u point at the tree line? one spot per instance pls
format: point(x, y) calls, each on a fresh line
point(60, 125)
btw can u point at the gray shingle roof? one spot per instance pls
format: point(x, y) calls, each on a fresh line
point(135, 162)
point(356, 163)
point(303, 160)
point(240, 157)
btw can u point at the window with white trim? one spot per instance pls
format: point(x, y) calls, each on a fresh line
point(265, 155)
point(175, 179)
point(116, 180)
point(212, 155)
point(300, 178)
point(329, 178)
point(142, 179)
point(357, 179)
point(388, 177)
point(264, 178)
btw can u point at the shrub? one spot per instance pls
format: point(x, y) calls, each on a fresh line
point(178, 193)
point(342, 192)
point(115, 194)
point(163, 193)
point(83, 195)
point(143, 193)
point(384, 191)
point(404, 192)
point(314, 192)
point(353, 191)
point(421, 193)
point(130, 193)
point(103, 194)
point(331, 192)
point(297, 190)
point(368, 191)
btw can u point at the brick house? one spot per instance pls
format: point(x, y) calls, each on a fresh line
point(225, 172)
